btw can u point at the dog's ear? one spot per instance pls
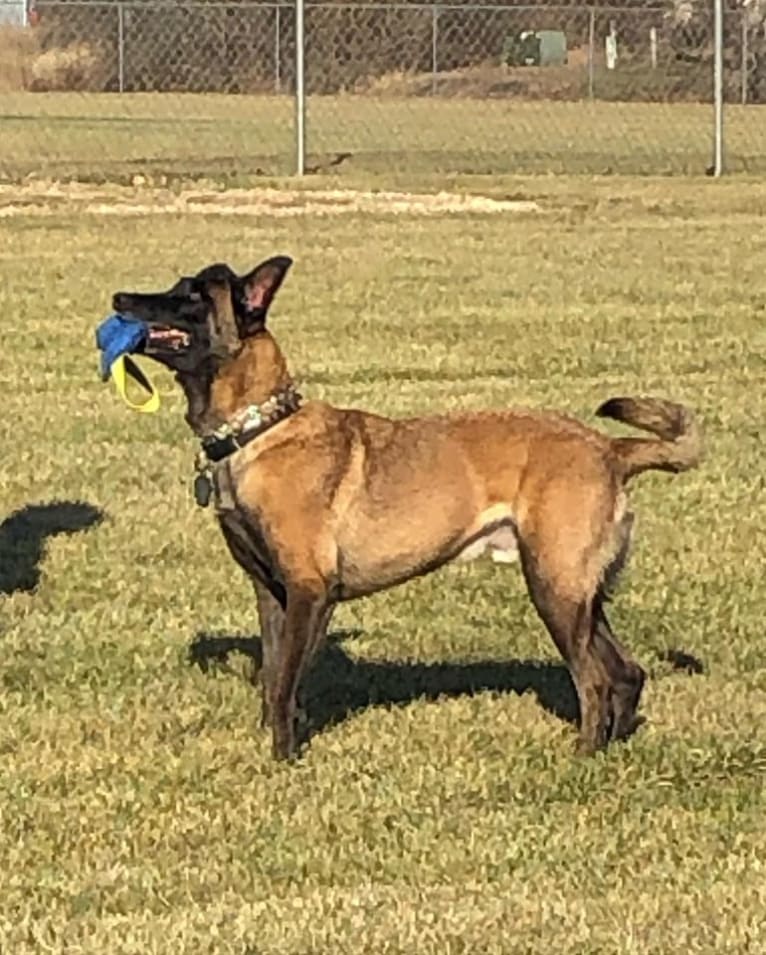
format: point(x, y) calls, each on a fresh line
point(257, 290)
point(225, 327)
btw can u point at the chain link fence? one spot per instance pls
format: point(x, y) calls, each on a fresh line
point(108, 86)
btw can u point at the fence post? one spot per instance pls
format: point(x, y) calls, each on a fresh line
point(300, 90)
point(718, 87)
point(745, 55)
point(120, 48)
point(591, 48)
point(277, 50)
point(434, 47)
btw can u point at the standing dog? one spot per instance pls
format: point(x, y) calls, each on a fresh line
point(321, 505)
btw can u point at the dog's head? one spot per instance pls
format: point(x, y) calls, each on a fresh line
point(205, 316)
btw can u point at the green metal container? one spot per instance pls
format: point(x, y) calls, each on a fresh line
point(553, 47)
point(535, 48)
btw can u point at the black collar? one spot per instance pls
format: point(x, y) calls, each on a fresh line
point(249, 424)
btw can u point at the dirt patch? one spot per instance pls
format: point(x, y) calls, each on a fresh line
point(39, 199)
point(632, 81)
point(486, 81)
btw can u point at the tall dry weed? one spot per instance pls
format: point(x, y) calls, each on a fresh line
point(19, 47)
point(75, 67)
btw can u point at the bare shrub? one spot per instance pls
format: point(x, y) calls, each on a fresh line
point(75, 67)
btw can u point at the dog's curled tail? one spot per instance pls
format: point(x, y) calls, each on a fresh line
point(680, 442)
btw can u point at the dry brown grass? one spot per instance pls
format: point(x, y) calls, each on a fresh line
point(18, 50)
point(142, 199)
point(25, 66)
point(483, 81)
point(633, 81)
point(78, 66)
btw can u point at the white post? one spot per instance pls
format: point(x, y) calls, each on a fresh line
point(718, 86)
point(120, 48)
point(300, 90)
point(653, 46)
point(610, 46)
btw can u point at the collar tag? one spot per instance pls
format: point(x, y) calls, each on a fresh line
point(203, 489)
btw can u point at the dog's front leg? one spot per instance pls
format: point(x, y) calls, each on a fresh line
point(304, 619)
point(271, 617)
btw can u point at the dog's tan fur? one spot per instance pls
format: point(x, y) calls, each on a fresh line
point(332, 504)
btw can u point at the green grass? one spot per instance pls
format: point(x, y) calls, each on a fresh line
point(141, 811)
point(104, 137)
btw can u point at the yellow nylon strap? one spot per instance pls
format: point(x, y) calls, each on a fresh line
point(124, 367)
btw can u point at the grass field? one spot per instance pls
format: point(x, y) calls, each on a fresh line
point(104, 137)
point(438, 808)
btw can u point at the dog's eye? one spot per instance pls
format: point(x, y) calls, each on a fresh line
point(195, 297)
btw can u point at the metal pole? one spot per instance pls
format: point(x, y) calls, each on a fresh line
point(277, 52)
point(591, 49)
point(434, 47)
point(745, 54)
point(300, 91)
point(121, 47)
point(718, 86)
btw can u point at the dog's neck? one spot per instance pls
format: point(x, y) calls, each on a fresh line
point(251, 377)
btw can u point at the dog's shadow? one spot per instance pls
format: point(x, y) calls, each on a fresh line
point(24, 533)
point(340, 685)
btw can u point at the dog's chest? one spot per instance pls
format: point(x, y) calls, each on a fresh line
point(248, 546)
point(242, 530)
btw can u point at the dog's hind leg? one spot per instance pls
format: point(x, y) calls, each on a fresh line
point(562, 560)
point(570, 623)
point(626, 675)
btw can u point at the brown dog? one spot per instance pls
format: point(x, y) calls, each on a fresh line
point(322, 505)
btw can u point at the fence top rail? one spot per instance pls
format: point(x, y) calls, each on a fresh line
point(350, 5)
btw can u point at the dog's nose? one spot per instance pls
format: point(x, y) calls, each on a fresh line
point(120, 302)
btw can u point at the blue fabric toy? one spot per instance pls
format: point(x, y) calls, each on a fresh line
point(119, 335)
